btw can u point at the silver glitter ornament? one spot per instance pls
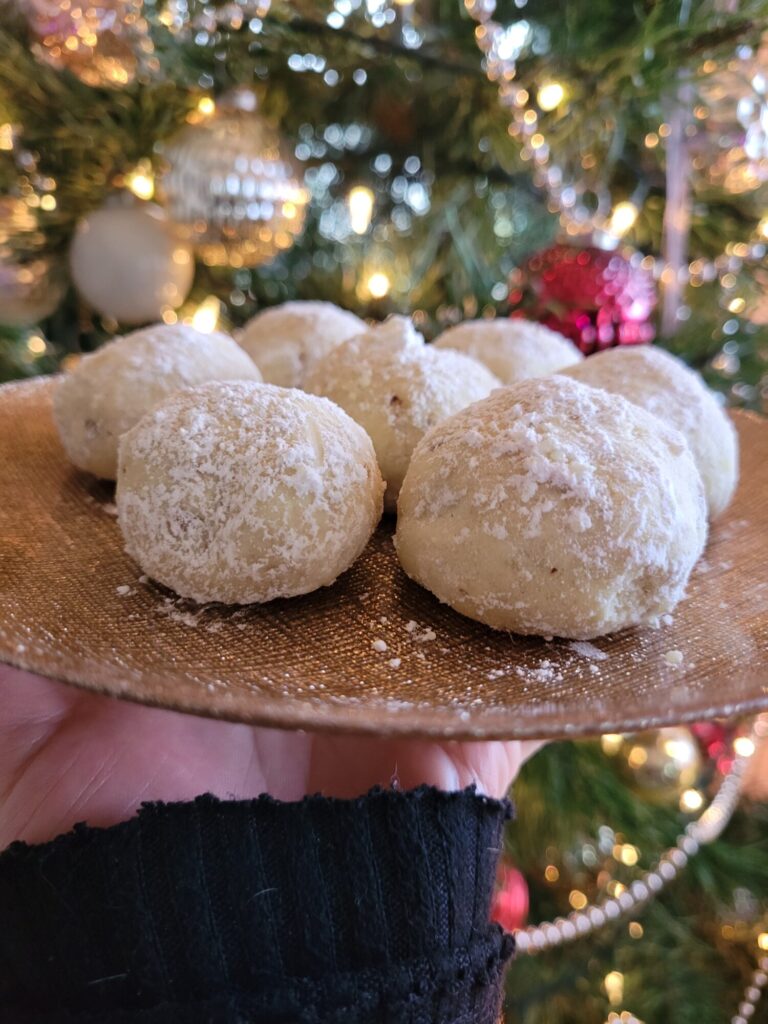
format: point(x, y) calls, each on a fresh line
point(731, 148)
point(232, 188)
point(30, 288)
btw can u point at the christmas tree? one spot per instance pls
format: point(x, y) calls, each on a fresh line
point(176, 160)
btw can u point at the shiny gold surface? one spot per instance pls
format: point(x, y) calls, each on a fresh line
point(73, 607)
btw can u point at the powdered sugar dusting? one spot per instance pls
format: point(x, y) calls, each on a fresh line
point(286, 341)
point(112, 388)
point(513, 349)
point(585, 514)
point(397, 387)
point(664, 386)
point(244, 492)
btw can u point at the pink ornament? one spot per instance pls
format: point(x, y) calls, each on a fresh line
point(510, 901)
point(597, 299)
point(713, 737)
point(716, 741)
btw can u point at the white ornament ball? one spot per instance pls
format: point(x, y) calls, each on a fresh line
point(666, 387)
point(110, 390)
point(241, 492)
point(512, 349)
point(397, 387)
point(555, 509)
point(286, 341)
point(128, 263)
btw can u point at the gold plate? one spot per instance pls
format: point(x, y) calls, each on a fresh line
point(74, 607)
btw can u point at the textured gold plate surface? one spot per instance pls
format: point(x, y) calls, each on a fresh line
point(74, 607)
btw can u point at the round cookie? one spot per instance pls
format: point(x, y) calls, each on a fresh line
point(241, 492)
point(555, 509)
point(110, 390)
point(512, 349)
point(666, 387)
point(286, 341)
point(397, 387)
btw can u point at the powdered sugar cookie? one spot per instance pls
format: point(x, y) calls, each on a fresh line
point(553, 508)
point(286, 341)
point(665, 386)
point(397, 387)
point(245, 492)
point(512, 349)
point(110, 390)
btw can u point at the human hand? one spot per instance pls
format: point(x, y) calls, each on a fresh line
point(68, 756)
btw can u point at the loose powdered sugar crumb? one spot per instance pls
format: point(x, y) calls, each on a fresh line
point(379, 645)
point(587, 650)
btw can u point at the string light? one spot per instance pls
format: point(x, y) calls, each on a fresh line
point(6, 137)
point(577, 899)
point(623, 218)
point(360, 203)
point(611, 742)
point(691, 800)
point(47, 203)
point(206, 106)
point(550, 96)
point(141, 180)
point(378, 284)
point(206, 316)
point(627, 854)
point(743, 746)
point(613, 983)
point(637, 757)
point(36, 344)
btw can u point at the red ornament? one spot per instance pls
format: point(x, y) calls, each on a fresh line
point(716, 741)
point(510, 901)
point(598, 299)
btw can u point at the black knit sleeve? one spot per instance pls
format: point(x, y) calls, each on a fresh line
point(317, 912)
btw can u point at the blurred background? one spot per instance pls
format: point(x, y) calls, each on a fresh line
point(178, 159)
point(600, 166)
